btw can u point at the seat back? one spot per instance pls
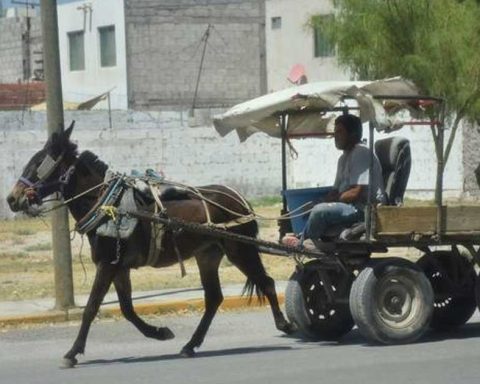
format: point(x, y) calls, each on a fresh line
point(396, 160)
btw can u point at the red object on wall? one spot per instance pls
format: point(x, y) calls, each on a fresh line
point(297, 75)
point(21, 96)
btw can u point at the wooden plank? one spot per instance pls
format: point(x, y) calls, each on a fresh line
point(423, 220)
point(405, 219)
point(463, 219)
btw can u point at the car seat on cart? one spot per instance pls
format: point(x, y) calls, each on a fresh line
point(395, 158)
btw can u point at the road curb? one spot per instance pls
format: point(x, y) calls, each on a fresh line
point(151, 308)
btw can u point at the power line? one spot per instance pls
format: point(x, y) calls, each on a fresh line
point(205, 37)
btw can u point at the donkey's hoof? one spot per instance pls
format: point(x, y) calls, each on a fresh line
point(286, 327)
point(69, 362)
point(187, 352)
point(165, 333)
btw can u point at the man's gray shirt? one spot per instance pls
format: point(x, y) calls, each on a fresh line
point(352, 169)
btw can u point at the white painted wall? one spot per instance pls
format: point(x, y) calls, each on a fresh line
point(140, 140)
point(80, 86)
point(317, 161)
point(294, 43)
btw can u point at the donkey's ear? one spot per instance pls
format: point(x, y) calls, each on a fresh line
point(53, 139)
point(68, 131)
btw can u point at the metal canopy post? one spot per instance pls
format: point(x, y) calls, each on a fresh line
point(368, 214)
point(440, 168)
point(284, 126)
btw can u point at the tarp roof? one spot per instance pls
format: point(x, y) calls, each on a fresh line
point(307, 104)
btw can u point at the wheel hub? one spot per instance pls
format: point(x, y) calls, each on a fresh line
point(396, 302)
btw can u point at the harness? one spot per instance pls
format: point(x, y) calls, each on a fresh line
point(109, 216)
point(96, 216)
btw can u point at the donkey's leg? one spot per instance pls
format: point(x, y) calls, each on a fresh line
point(208, 262)
point(103, 279)
point(246, 258)
point(123, 287)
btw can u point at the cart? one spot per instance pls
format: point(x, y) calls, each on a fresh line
point(391, 300)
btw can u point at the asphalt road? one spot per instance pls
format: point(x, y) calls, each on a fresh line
point(241, 347)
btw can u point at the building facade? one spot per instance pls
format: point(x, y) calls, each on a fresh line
point(291, 42)
point(20, 47)
point(93, 51)
point(175, 56)
point(194, 54)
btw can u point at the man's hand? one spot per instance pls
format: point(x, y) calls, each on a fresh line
point(353, 194)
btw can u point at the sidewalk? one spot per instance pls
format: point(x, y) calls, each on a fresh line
point(146, 303)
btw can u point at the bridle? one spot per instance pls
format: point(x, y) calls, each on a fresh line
point(38, 190)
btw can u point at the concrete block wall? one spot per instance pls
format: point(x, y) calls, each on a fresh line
point(14, 50)
point(164, 50)
point(11, 53)
point(140, 140)
point(36, 44)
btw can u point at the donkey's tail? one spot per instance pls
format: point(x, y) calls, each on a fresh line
point(250, 288)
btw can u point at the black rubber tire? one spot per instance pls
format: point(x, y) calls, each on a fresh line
point(391, 301)
point(452, 277)
point(307, 306)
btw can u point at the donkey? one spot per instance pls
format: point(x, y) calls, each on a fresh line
point(59, 168)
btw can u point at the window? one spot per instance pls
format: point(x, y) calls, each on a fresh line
point(108, 51)
point(276, 22)
point(76, 51)
point(323, 47)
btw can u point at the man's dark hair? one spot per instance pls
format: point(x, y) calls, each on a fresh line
point(353, 125)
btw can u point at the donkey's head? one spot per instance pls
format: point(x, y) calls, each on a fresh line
point(44, 173)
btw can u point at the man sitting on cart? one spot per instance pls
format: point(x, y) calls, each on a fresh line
point(345, 204)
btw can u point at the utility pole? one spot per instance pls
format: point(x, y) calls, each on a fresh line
point(62, 254)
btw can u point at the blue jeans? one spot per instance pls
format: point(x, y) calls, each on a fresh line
point(327, 215)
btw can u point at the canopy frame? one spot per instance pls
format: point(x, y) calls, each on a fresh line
point(437, 128)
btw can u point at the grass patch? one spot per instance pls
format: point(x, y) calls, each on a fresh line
point(13, 255)
point(24, 226)
point(24, 232)
point(39, 247)
point(266, 201)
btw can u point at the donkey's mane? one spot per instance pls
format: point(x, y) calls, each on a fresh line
point(92, 163)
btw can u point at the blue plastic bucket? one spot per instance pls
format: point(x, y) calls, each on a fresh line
point(297, 197)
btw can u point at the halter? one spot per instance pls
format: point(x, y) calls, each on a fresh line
point(36, 191)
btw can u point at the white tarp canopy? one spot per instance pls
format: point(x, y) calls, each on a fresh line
point(306, 106)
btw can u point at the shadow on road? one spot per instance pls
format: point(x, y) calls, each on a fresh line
point(354, 337)
point(221, 352)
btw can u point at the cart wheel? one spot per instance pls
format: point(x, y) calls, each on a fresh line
point(452, 277)
point(391, 302)
point(316, 302)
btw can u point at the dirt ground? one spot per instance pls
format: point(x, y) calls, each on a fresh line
point(26, 260)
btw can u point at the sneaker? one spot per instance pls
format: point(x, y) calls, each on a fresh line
point(294, 242)
point(309, 245)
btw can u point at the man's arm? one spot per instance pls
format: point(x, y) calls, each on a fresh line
point(353, 194)
point(332, 196)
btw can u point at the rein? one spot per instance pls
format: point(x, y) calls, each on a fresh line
point(251, 213)
point(66, 202)
point(35, 191)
